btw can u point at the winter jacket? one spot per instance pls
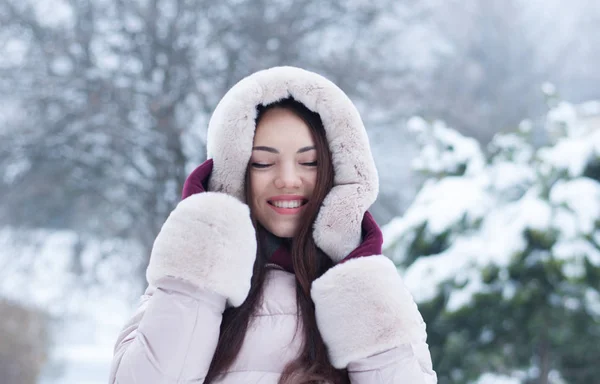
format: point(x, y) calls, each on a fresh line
point(202, 260)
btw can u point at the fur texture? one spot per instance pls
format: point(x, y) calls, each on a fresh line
point(231, 131)
point(209, 241)
point(363, 308)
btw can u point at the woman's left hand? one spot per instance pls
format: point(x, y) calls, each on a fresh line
point(367, 315)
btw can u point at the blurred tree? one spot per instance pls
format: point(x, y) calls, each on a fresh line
point(24, 343)
point(488, 76)
point(113, 97)
point(502, 250)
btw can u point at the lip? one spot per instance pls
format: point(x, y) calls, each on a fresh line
point(287, 198)
point(288, 211)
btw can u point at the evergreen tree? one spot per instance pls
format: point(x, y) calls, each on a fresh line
point(501, 248)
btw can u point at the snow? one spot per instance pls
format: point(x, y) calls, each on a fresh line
point(592, 299)
point(487, 214)
point(87, 341)
point(133, 23)
point(53, 13)
point(417, 125)
point(510, 180)
point(459, 263)
point(566, 222)
point(90, 316)
point(62, 66)
point(437, 269)
point(549, 89)
point(511, 147)
point(466, 197)
point(501, 236)
point(48, 258)
point(582, 197)
point(518, 377)
point(526, 126)
point(573, 251)
point(502, 232)
point(564, 114)
point(572, 154)
point(590, 108)
point(15, 169)
point(490, 378)
point(442, 205)
point(107, 61)
point(13, 53)
point(444, 149)
point(534, 213)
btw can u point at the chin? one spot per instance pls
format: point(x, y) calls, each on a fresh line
point(279, 230)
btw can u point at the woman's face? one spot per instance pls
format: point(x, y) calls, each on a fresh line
point(283, 171)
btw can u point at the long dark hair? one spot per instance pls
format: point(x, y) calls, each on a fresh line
point(312, 365)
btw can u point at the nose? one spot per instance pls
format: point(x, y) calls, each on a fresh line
point(288, 177)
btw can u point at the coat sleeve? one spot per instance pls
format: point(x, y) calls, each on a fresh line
point(171, 338)
point(371, 324)
point(408, 363)
point(201, 262)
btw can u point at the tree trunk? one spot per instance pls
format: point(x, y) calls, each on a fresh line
point(544, 356)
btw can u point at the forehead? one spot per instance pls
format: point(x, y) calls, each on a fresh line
point(282, 126)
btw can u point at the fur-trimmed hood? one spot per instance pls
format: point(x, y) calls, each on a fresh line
point(231, 132)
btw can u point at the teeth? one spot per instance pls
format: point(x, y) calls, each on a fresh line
point(288, 204)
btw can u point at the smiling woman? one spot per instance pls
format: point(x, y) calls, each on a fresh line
point(288, 154)
point(270, 268)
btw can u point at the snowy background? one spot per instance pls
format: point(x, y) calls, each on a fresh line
point(506, 243)
point(483, 125)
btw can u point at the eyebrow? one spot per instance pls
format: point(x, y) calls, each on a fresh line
point(274, 150)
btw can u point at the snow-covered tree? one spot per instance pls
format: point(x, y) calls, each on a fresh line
point(108, 101)
point(501, 248)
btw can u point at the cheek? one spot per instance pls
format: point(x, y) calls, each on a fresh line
point(311, 181)
point(258, 184)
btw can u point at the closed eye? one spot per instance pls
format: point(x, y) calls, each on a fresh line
point(311, 164)
point(260, 165)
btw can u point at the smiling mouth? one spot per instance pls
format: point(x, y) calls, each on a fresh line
point(288, 204)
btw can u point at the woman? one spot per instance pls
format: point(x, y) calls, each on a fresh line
point(270, 268)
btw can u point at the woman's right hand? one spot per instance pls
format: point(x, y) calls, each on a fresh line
point(209, 241)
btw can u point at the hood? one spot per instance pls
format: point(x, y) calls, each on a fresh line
point(337, 229)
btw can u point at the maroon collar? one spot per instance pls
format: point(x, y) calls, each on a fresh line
point(197, 181)
point(372, 239)
point(278, 250)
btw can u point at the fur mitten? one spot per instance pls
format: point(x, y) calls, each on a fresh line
point(363, 308)
point(209, 241)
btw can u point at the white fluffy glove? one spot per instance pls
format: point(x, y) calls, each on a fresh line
point(363, 308)
point(209, 241)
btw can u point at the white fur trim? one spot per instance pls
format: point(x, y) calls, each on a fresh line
point(231, 131)
point(208, 240)
point(363, 308)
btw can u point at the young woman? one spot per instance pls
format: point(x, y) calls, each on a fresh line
point(270, 268)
